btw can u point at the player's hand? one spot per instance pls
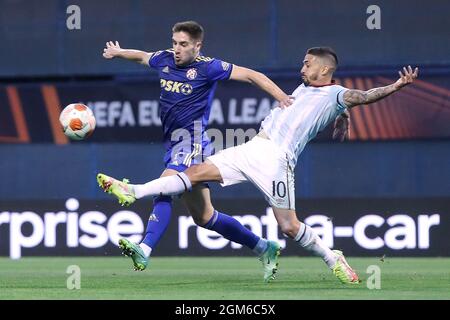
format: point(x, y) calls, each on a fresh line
point(406, 77)
point(286, 102)
point(112, 50)
point(342, 127)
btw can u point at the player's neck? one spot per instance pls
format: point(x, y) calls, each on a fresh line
point(187, 63)
point(322, 82)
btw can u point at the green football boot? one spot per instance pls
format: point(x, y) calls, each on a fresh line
point(343, 271)
point(134, 251)
point(269, 260)
point(120, 189)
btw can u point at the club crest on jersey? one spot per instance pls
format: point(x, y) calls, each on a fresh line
point(191, 74)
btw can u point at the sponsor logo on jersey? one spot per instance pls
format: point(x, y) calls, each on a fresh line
point(191, 74)
point(186, 89)
point(175, 86)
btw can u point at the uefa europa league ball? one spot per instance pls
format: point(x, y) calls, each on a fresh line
point(77, 121)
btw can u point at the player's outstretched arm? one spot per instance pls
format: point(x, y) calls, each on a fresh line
point(261, 81)
point(113, 50)
point(357, 97)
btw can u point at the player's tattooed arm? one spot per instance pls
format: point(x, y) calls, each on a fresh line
point(357, 97)
point(113, 50)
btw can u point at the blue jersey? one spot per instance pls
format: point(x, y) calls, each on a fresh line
point(185, 102)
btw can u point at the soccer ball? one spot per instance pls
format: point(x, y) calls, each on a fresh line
point(77, 121)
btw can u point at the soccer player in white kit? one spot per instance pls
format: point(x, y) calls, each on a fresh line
point(269, 159)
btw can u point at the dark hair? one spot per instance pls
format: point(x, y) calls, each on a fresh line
point(323, 52)
point(194, 29)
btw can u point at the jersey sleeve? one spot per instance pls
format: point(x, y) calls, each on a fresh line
point(219, 70)
point(157, 58)
point(337, 97)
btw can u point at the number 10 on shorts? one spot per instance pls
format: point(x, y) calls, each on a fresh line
point(278, 189)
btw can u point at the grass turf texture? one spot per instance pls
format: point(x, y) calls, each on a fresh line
point(219, 278)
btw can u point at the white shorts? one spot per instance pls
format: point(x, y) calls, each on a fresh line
point(261, 162)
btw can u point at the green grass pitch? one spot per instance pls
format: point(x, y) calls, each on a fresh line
point(217, 278)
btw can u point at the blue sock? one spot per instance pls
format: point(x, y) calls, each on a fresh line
point(233, 230)
point(158, 221)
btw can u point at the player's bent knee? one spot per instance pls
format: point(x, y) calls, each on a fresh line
point(203, 172)
point(195, 173)
point(289, 229)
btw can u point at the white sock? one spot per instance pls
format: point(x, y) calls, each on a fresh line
point(166, 186)
point(308, 239)
point(147, 250)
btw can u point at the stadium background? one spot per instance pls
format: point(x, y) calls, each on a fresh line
point(386, 191)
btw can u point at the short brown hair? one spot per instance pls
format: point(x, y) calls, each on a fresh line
point(194, 29)
point(323, 52)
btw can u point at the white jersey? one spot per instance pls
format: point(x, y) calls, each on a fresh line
point(313, 109)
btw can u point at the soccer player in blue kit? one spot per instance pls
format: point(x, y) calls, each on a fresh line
point(188, 81)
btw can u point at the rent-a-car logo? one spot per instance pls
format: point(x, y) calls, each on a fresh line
point(94, 229)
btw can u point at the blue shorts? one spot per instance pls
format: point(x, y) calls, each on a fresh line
point(180, 157)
